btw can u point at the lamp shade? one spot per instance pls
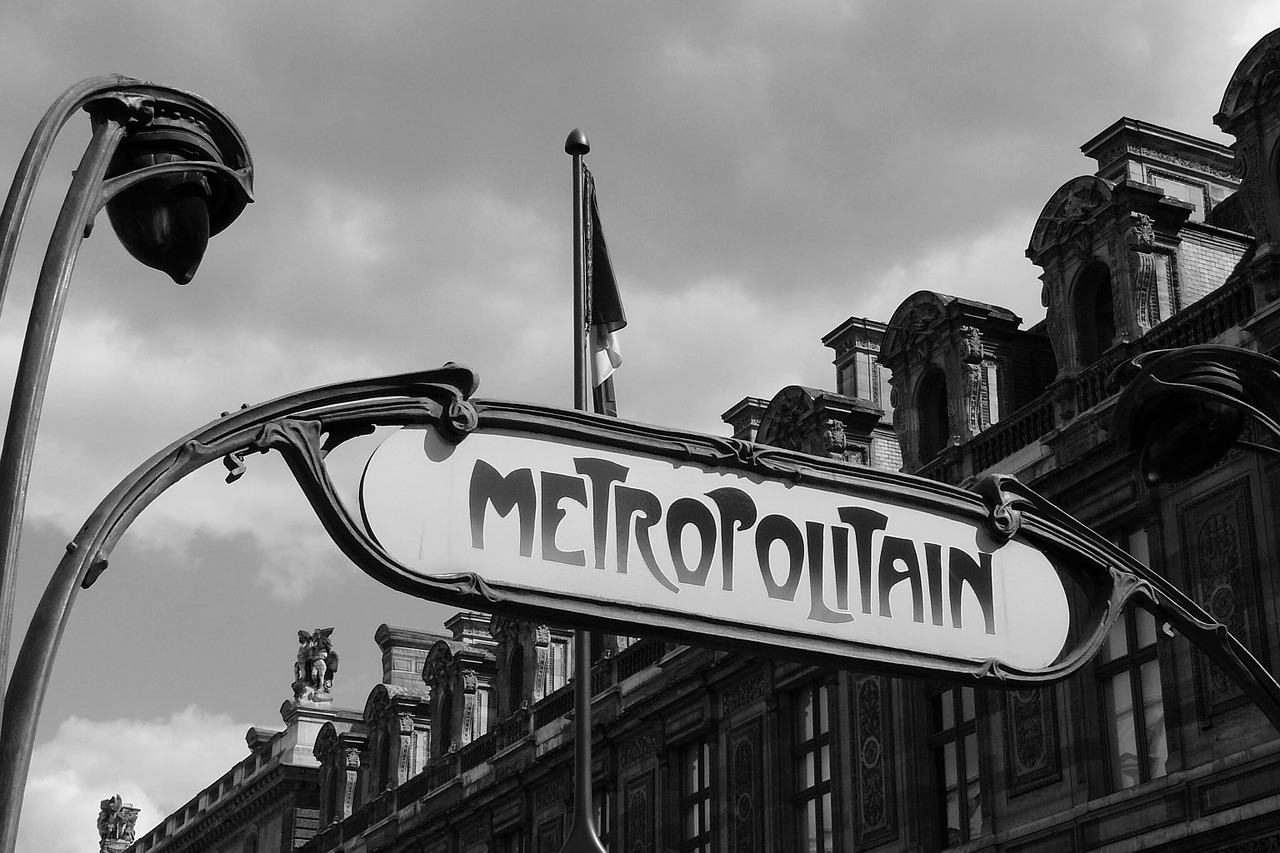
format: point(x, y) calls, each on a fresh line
point(165, 221)
point(1184, 436)
point(1183, 410)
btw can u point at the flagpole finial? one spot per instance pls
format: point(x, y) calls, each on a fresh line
point(577, 143)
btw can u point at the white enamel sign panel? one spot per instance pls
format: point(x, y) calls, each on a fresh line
point(723, 548)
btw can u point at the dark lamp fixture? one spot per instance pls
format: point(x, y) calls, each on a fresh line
point(1183, 410)
point(166, 221)
point(1185, 436)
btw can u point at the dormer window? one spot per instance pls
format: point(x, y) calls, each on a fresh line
point(1094, 313)
point(931, 405)
point(444, 724)
point(515, 680)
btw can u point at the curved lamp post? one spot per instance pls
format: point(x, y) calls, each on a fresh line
point(1182, 410)
point(171, 171)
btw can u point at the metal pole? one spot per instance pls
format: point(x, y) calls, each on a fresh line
point(582, 832)
point(12, 219)
point(28, 395)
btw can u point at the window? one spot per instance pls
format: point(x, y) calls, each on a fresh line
point(931, 404)
point(953, 741)
point(696, 797)
point(333, 792)
point(602, 805)
point(1132, 707)
point(557, 665)
point(484, 700)
point(444, 725)
point(811, 762)
point(509, 842)
point(1192, 193)
point(1129, 684)
point(1095, 313)
point(993, 393)
point(515, 680)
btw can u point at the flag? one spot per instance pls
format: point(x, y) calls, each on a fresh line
point(604, 305)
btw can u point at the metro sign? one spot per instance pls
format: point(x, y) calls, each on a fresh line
point(574, 518)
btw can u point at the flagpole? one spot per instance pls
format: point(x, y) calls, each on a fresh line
point(582, 832)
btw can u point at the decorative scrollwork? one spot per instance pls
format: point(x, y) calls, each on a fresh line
point(1003, 495)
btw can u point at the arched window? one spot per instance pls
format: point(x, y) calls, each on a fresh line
point(931, 408)
point(444, 723)
point(515, 680)
point(1095, 313)
point(334, 794)
point(384, 763)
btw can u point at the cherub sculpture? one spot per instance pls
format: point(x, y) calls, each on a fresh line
point(316, 665)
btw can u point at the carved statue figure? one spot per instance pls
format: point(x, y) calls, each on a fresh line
point(316, 665)
point(116, 821)
point(833, 438)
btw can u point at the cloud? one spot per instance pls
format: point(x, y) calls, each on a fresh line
point(156, 764)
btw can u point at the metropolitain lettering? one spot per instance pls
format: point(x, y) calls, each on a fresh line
point(696, 540)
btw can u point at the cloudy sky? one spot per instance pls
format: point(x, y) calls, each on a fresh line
point(765, 169)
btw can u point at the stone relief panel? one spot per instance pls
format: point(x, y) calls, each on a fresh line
point(1219, 549)
point(746, 786)
point(1032, 754)
point(550, 835)
point(873, 777)
point(638, 820)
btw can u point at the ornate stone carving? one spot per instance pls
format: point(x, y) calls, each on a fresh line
point(1249, 157)
point(639, 747)
point(1067, 212)
point(542, 651)
point(116, 820)
point(550, 835)
point(639, 815)
point(1221, 563)
point(1143, 292)
point(552, 795)
point(469, 684)
point(745, 783)
point(437, 671)
point(919, 338)
point(315, 666)
point(975, 412)
point(1141, 233)
point(872, 732)
point(833, 438)
point(1032, 753)
point(971, 348)
point(743, 693)
point(349, 779)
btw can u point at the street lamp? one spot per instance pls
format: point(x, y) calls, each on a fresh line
point(1182, 410)
point(171, 171)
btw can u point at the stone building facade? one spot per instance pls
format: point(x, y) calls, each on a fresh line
point(1171, 241)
